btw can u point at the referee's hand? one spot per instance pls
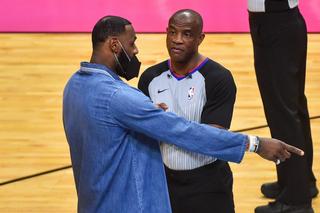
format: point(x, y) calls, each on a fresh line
point(276, 150)
point(162, 106)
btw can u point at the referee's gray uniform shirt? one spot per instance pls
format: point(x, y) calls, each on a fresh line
point(205, 95)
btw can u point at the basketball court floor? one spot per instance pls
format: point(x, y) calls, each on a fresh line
point(35, 172)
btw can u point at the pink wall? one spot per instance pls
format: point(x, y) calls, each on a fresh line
point(146, 15)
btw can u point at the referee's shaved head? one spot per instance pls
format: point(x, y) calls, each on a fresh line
point(186, 15)
point(184, 35)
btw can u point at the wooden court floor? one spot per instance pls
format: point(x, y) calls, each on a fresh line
point(35, 173)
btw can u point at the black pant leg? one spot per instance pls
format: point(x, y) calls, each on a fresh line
point(305, 120)
point(303, 106)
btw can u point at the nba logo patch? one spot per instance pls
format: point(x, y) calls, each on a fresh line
point(190, 93)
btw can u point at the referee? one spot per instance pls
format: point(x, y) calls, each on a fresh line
point(279, 38)
point(199, 89)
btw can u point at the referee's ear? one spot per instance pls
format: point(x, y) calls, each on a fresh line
point(201, 37)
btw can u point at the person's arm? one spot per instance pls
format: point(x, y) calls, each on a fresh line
point(134, 111)
point(220, 97)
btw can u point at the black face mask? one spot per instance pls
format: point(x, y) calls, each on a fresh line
point(127, 67)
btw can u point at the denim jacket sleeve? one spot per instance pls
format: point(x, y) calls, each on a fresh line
point(132, 110)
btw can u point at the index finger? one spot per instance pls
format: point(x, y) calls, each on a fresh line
point(294, 149)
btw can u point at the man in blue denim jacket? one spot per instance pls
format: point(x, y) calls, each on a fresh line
point(113, 131)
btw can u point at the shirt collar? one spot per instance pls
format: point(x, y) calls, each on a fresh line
point(98, 68)
point(190, 72)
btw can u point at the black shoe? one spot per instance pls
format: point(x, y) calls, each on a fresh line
point(277, 207)
point(272, 190)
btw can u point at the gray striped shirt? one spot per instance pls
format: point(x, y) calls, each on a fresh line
point(185, 98)
point(206, 95)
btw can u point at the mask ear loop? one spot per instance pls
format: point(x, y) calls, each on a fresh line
point(125, 52)
point(119, 64)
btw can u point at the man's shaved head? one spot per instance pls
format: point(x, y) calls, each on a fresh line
point(184, 35)
point(187, 15)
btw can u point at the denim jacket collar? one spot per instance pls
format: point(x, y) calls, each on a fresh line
point(98, 68)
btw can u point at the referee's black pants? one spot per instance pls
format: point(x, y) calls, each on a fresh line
point(280, 47)
point(207, 189)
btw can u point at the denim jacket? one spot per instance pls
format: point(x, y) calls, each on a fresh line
point(114, 130)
